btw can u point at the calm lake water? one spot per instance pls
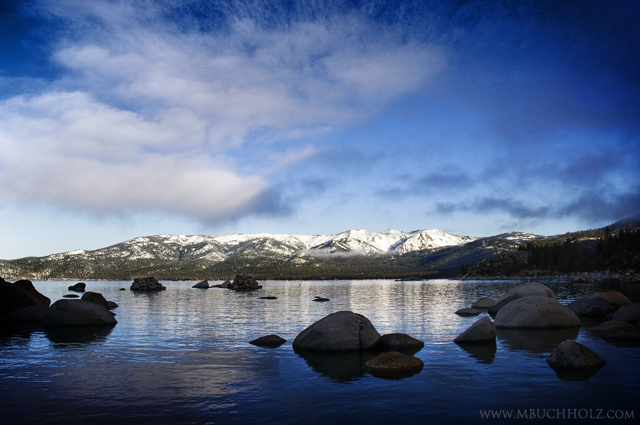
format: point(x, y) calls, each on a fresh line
point(182, 356)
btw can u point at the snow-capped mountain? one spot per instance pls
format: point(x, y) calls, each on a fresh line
point(219, 248)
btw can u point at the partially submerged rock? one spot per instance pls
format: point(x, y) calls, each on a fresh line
point(599, 304)
point(393, 365)
point(94, 297)
point(468, 311)
point(628, 313)
point(78, 313)
point(574, 356)
point(147, 284)
point(525, 290)
point(320, 299)
point(27, 286)
point(482, 331)
point(484, 302)
point(32, 314)
point(268, 341)
point(202, 285)
point(536, 313)
point(617, 331)
point(244, 282)
point(78, 287)
point(340, 331)
point(399, 341)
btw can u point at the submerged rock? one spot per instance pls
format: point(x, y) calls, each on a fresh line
point(482, 331)
point(525, 290)
point(536, 313)
point(268, 341)
point(393, 365)
point(320, 299)
point(575, 356)
point(399, 341)
point(468, 312)
point(483, 302)
point(340, 331)
point(78, 313)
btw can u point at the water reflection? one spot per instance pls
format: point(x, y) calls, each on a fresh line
point(339, 367)
point(483, 353)
point(62, 336)
point(575, 375)
point(535, 341)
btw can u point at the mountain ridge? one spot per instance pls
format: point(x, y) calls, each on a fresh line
point(353, 253)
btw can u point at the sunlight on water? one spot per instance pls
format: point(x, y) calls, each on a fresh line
point(182, 356)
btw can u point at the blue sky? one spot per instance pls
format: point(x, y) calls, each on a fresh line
point(121, 119)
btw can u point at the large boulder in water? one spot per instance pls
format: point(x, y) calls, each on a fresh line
point(244, 282)
point(28, 287)
point(78, 313)
point(13, 298)
point(574, 356)
point(536, 313)
point(599, 304)
point(33, 313)
point(482, 331)
point(531, 289)
point(340, 331)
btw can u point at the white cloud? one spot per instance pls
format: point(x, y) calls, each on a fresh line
point(147, 117)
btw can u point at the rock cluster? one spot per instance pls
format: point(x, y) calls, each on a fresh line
point(244, 282)
point(78, 287)
point(600, 303)
point(147, 284)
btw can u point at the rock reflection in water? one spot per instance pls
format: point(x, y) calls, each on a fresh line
point(483, 352)
point(536, 341)
point(63, 335)
point(575, 375)
point(339, 367)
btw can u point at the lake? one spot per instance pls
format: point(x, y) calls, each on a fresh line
point(182, 356)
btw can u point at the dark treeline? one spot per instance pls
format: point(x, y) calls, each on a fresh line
point(610, 251)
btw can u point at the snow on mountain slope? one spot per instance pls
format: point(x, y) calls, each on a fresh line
point(218, 248)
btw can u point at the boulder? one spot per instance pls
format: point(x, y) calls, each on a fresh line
point(393, 365)
point(268, 341)
point(628, 313)
point(482, 331)
point(94, 297)
point(33, 313)
point(77, 313)
point(469, 311)
point(71, 296)
point(398, 341)
point(610, 326)
point(525, 290)
point(225, 284)
point(483, 302)
point(340, 331)
point(615, 297)
point(147, 284)
point(320, 299)
point(202, 285)
point(111, 305)
point(536, 313)
point(13, 298)
point(244, 282)
point(574, 356)
point(27, 287)
point(268, 298)
point(599, 304)
point(78, 287)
